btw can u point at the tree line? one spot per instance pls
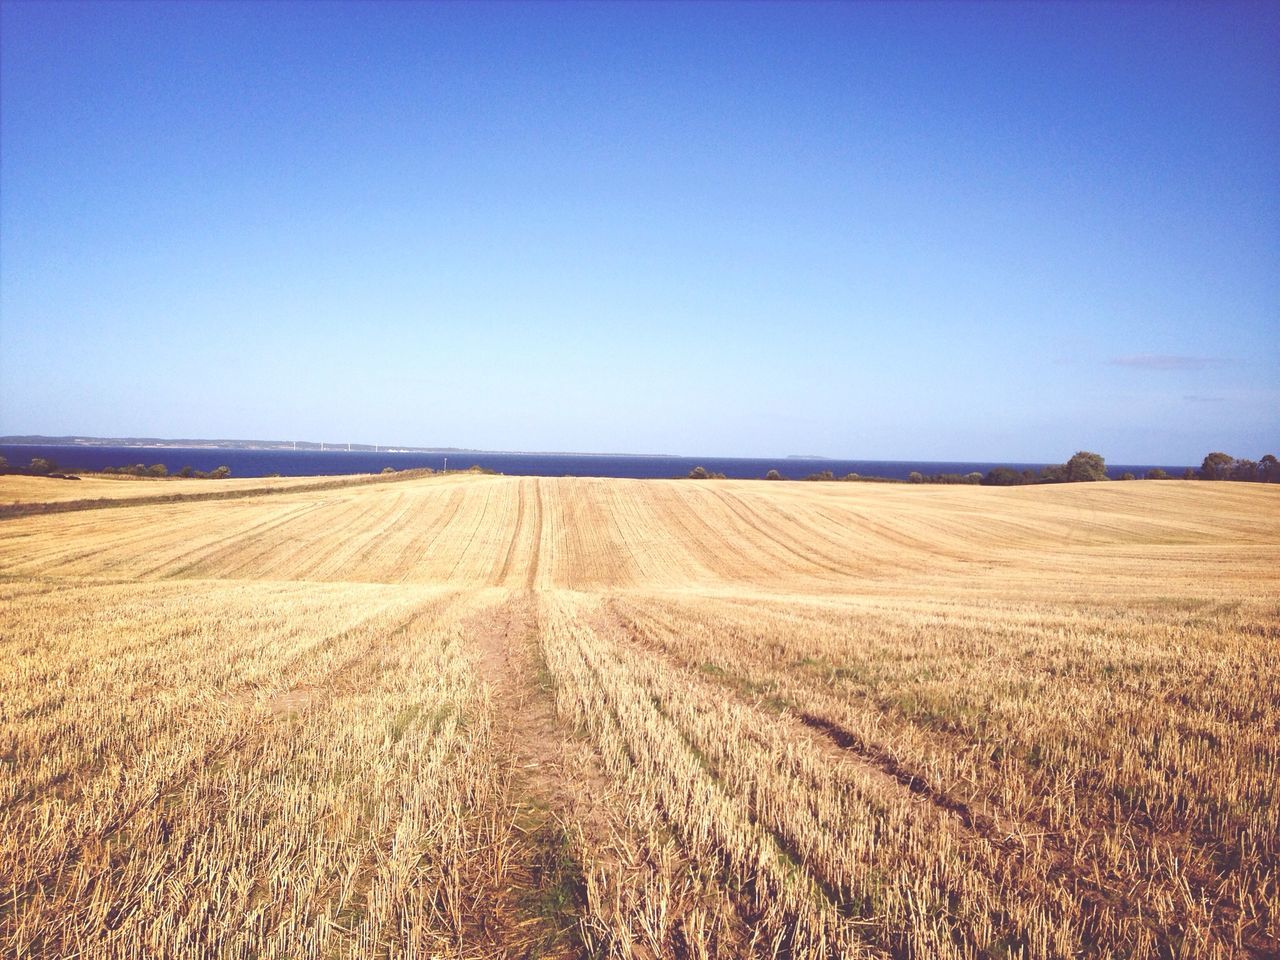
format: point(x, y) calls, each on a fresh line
point(1090, 466)
point(1223, 466)
point(1084, 466)
point(160, 470)
point(46, 467)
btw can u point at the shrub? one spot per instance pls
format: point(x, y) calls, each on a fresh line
point(702, 473)
point(1156, 473)
point(220, 474)
point(1007, 477)
point(774, 475)
point(158, 470)
point(41, 465)
point(388, 469)
point(1127, 476)
point(915, 476)
point(824, 475)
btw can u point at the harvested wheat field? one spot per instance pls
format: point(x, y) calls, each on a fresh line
point(470, 716)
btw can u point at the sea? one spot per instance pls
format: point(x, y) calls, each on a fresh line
point(308, 463)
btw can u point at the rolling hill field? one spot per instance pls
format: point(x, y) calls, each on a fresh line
point(475, 716)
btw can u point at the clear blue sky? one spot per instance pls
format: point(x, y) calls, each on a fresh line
point(999, 232)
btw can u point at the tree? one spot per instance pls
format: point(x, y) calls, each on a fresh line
point(220, 474)
point(4, 464)
point(1188, 474)
point(158, 470)
point(1269, 469)
point(1155, 473)
point(773, 475)
point(1127, 476)
point(186, 472)
point(41, 465)
point(915, 476)
point(1216, 466)
point(1085, 466)
point(1245, 470)
point(823, 475)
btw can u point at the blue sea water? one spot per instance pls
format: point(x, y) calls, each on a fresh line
point(306, 463)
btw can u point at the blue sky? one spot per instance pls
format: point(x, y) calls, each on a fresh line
point(990, 232)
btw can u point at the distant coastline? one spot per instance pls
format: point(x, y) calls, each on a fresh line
point(280, 458)
point(312, 446)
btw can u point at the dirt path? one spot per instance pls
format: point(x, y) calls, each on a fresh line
point(557, 784)
point(548, 759)
point(575, 894)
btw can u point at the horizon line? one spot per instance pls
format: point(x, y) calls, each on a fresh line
point(339, 447)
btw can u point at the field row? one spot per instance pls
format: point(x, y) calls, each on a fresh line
point(618, 534)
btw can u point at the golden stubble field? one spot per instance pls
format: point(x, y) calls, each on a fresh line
point(472, 716)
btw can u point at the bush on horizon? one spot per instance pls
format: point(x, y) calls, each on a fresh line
point(702, 473)
point(160, 471)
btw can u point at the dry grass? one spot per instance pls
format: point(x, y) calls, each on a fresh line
point(483, 716)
